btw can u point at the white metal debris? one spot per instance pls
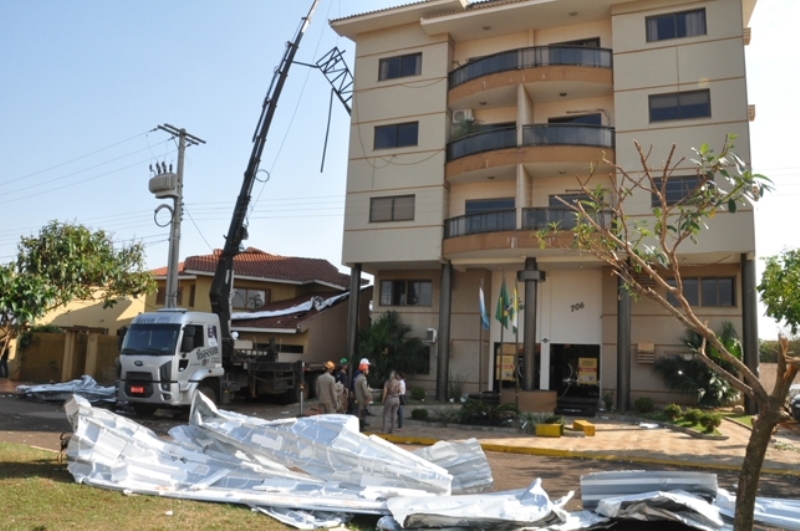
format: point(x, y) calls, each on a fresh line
point(599, 485)
point(674, 505)
point(465, 461)
point(781, 513)
point(85, 386)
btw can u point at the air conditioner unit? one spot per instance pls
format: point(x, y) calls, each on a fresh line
point(461, 115)
point(431, 335)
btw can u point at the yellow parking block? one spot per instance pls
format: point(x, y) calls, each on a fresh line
point(585, 426)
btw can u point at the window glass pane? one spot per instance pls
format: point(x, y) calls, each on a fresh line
point(709, 292)
point(239, 298)
point(666, 27)
point(725, 292)
point(691, 24)
point(403, 208)
point(399, 293)
point(407, 134)
point(424, 293)
point(255, 299)
point(695, 104)
point(691, 291)
point(412, 65)
point(664, 107)
point(386, 293)
point(385, 136)
point(477, 206)
point(380, 209)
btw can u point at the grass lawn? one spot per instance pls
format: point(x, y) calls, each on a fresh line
point(39, 494)
point(659, 416)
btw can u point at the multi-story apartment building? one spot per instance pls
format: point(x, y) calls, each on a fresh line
point(546, 89)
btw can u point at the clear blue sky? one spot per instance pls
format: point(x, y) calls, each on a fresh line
point(83, 82)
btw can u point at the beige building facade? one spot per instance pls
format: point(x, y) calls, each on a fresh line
point(549, 89)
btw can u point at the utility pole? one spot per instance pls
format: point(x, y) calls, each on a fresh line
point(168, 184)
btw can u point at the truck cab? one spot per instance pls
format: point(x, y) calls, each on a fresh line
point(167, 356)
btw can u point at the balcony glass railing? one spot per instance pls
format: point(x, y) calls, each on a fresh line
point(495, 221)
point(544, 218)
point(568, 135)
point(529, 58)
point(533, 135)
point(480, 142)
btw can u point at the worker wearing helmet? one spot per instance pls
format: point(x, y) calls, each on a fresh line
point(326, 390)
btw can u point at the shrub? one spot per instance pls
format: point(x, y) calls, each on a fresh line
point(419, 414)
point(608, 400)
point(417, 393)
point(710, 421)
point(445, 416)
point(673, 411)
point(644, 404)
point(692, 415)
point(455, 386)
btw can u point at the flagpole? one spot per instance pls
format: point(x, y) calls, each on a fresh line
point(480, 343)
point(515, 319)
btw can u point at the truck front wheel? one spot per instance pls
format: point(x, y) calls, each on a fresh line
point(208, 392)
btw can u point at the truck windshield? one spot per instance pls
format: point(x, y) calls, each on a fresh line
point(154, 339)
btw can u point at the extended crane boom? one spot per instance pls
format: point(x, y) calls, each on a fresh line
point(223, 277)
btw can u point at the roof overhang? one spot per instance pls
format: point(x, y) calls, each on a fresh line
point(394, 16)
point(287, 331)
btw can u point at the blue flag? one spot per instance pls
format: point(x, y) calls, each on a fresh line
point(484, 315)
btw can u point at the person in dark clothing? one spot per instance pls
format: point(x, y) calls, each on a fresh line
point(346, 405)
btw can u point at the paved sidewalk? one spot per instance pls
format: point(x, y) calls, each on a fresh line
point(618, 439)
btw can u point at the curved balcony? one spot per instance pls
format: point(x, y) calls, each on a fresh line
point(533, 135)
point(532, 57)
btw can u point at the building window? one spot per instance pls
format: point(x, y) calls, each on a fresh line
point(479, 206)
point(676, 25)
point(396, 208)
point(191, 295)
point(401, 66)
point(680, 106)
point(406, 292)
point(161, 295)
point(396, 135)
point(249, 299)
point(678, 187)
point(710, 292)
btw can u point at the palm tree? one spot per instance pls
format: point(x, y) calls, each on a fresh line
point(692, 376)
point(388, 346)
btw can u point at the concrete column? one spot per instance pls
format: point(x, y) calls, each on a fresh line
point(443, 350)
point(90, 366)
point(352, 315)
point(68, 360)
point(530, 276)
point(623, 347)
point(750, 354)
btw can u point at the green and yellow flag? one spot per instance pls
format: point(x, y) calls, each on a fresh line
point(501, 313)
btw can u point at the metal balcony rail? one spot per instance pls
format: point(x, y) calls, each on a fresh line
point(494, 221)
point(480, 142)
point(564, 218)
point(529, 58)
point(568, 135)
point(533, 135)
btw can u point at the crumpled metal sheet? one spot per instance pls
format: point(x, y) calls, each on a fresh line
point(305, 519)
point(465, 461)
point(576, 520)
point(327, 447)
point(678, 506)
point(776, 512)
point(85, 386)
point(515, 508)
point(599, 485)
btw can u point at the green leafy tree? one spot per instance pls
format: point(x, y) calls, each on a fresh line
point(643, 253)
point(692, 376)
point(779, 288)
point(389, 347)
point(67, 262)
point(466, 127)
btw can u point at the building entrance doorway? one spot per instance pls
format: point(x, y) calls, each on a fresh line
point(510, 368)
point(575, 373)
